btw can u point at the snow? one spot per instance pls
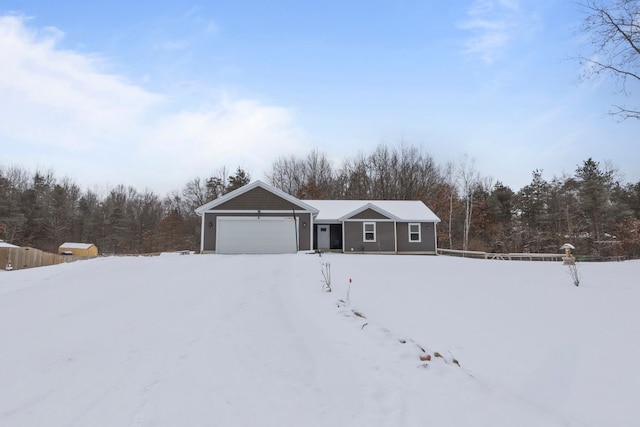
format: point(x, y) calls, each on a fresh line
point(205, 340)
point(406, 210)
point(70, 245)
point(4, 244)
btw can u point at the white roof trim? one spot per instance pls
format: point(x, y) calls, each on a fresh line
point(372, 207)
point(398, 210)
point(240, 191)
point(253, 211)
point(71, 245)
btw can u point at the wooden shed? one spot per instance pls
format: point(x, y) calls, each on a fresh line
point(4, 244)
point(78, 249)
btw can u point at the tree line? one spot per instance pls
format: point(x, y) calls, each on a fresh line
point(41, 211)
point(590, 208)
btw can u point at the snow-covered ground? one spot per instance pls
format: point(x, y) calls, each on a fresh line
point(210, 340)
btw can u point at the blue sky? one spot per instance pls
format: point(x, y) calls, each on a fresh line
point(154, 94)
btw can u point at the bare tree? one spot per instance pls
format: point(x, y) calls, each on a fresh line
point(318, 177)
point(195, 192)
point(614, 30)
point(287, 174)
point(450, 186)
point(467, 179)
point(146, 212)
point(379, 168)
point(358, 179)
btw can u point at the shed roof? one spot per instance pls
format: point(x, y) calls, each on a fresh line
point(4, 244)
point(400, 210)
point(70, 245)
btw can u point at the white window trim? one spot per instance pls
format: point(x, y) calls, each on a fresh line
point(419, 232)
point(364, 232)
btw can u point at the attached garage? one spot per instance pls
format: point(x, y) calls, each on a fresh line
point(256, 235)
point(256, 219)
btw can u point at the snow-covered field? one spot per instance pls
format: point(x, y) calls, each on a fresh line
point(210, 340)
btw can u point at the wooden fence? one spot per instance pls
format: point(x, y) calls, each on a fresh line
point(19, 258)
point(509, 256)
point(526, 256)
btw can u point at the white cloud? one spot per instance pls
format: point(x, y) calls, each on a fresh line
point(234, 133)
point(57, 97)
point(493, 24)
point(61, 107)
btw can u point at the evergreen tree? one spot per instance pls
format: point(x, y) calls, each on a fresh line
point(595, 186)
point(240, 179)
point(501, 205)
point(533, 211)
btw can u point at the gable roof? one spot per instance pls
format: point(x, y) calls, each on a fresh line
point(399, 210)
point(70, 245)
point(369, 206)
point(242, 190)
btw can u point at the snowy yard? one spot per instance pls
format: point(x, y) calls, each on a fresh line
point(211, 340)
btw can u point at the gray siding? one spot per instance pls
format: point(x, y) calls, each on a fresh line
point(427, 243)
point(304, 238)
point(369, 214)
point(385, 241)
point(255, 199)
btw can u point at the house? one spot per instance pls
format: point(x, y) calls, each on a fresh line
point(383, 226)
point(259, 218)
point(78, 249)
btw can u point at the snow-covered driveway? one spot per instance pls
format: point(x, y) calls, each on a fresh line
point(178, 341)
point(245, 341)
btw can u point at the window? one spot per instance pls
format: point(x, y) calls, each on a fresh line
point(368, 231)
point(415, 232)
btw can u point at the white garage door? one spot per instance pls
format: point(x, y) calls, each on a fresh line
point(253, 235)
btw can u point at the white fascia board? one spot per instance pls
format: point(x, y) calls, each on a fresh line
point(255, 211)
point(240, 191)
point(253, 218)
point(370, 220)
point(395, 236)
point(435, 236)
point(402, 221)
point(372, 207)
point(202, 234)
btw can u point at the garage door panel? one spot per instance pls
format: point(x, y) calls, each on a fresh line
point(252, 235)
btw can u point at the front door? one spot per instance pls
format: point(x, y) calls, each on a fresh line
point(324, 237)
